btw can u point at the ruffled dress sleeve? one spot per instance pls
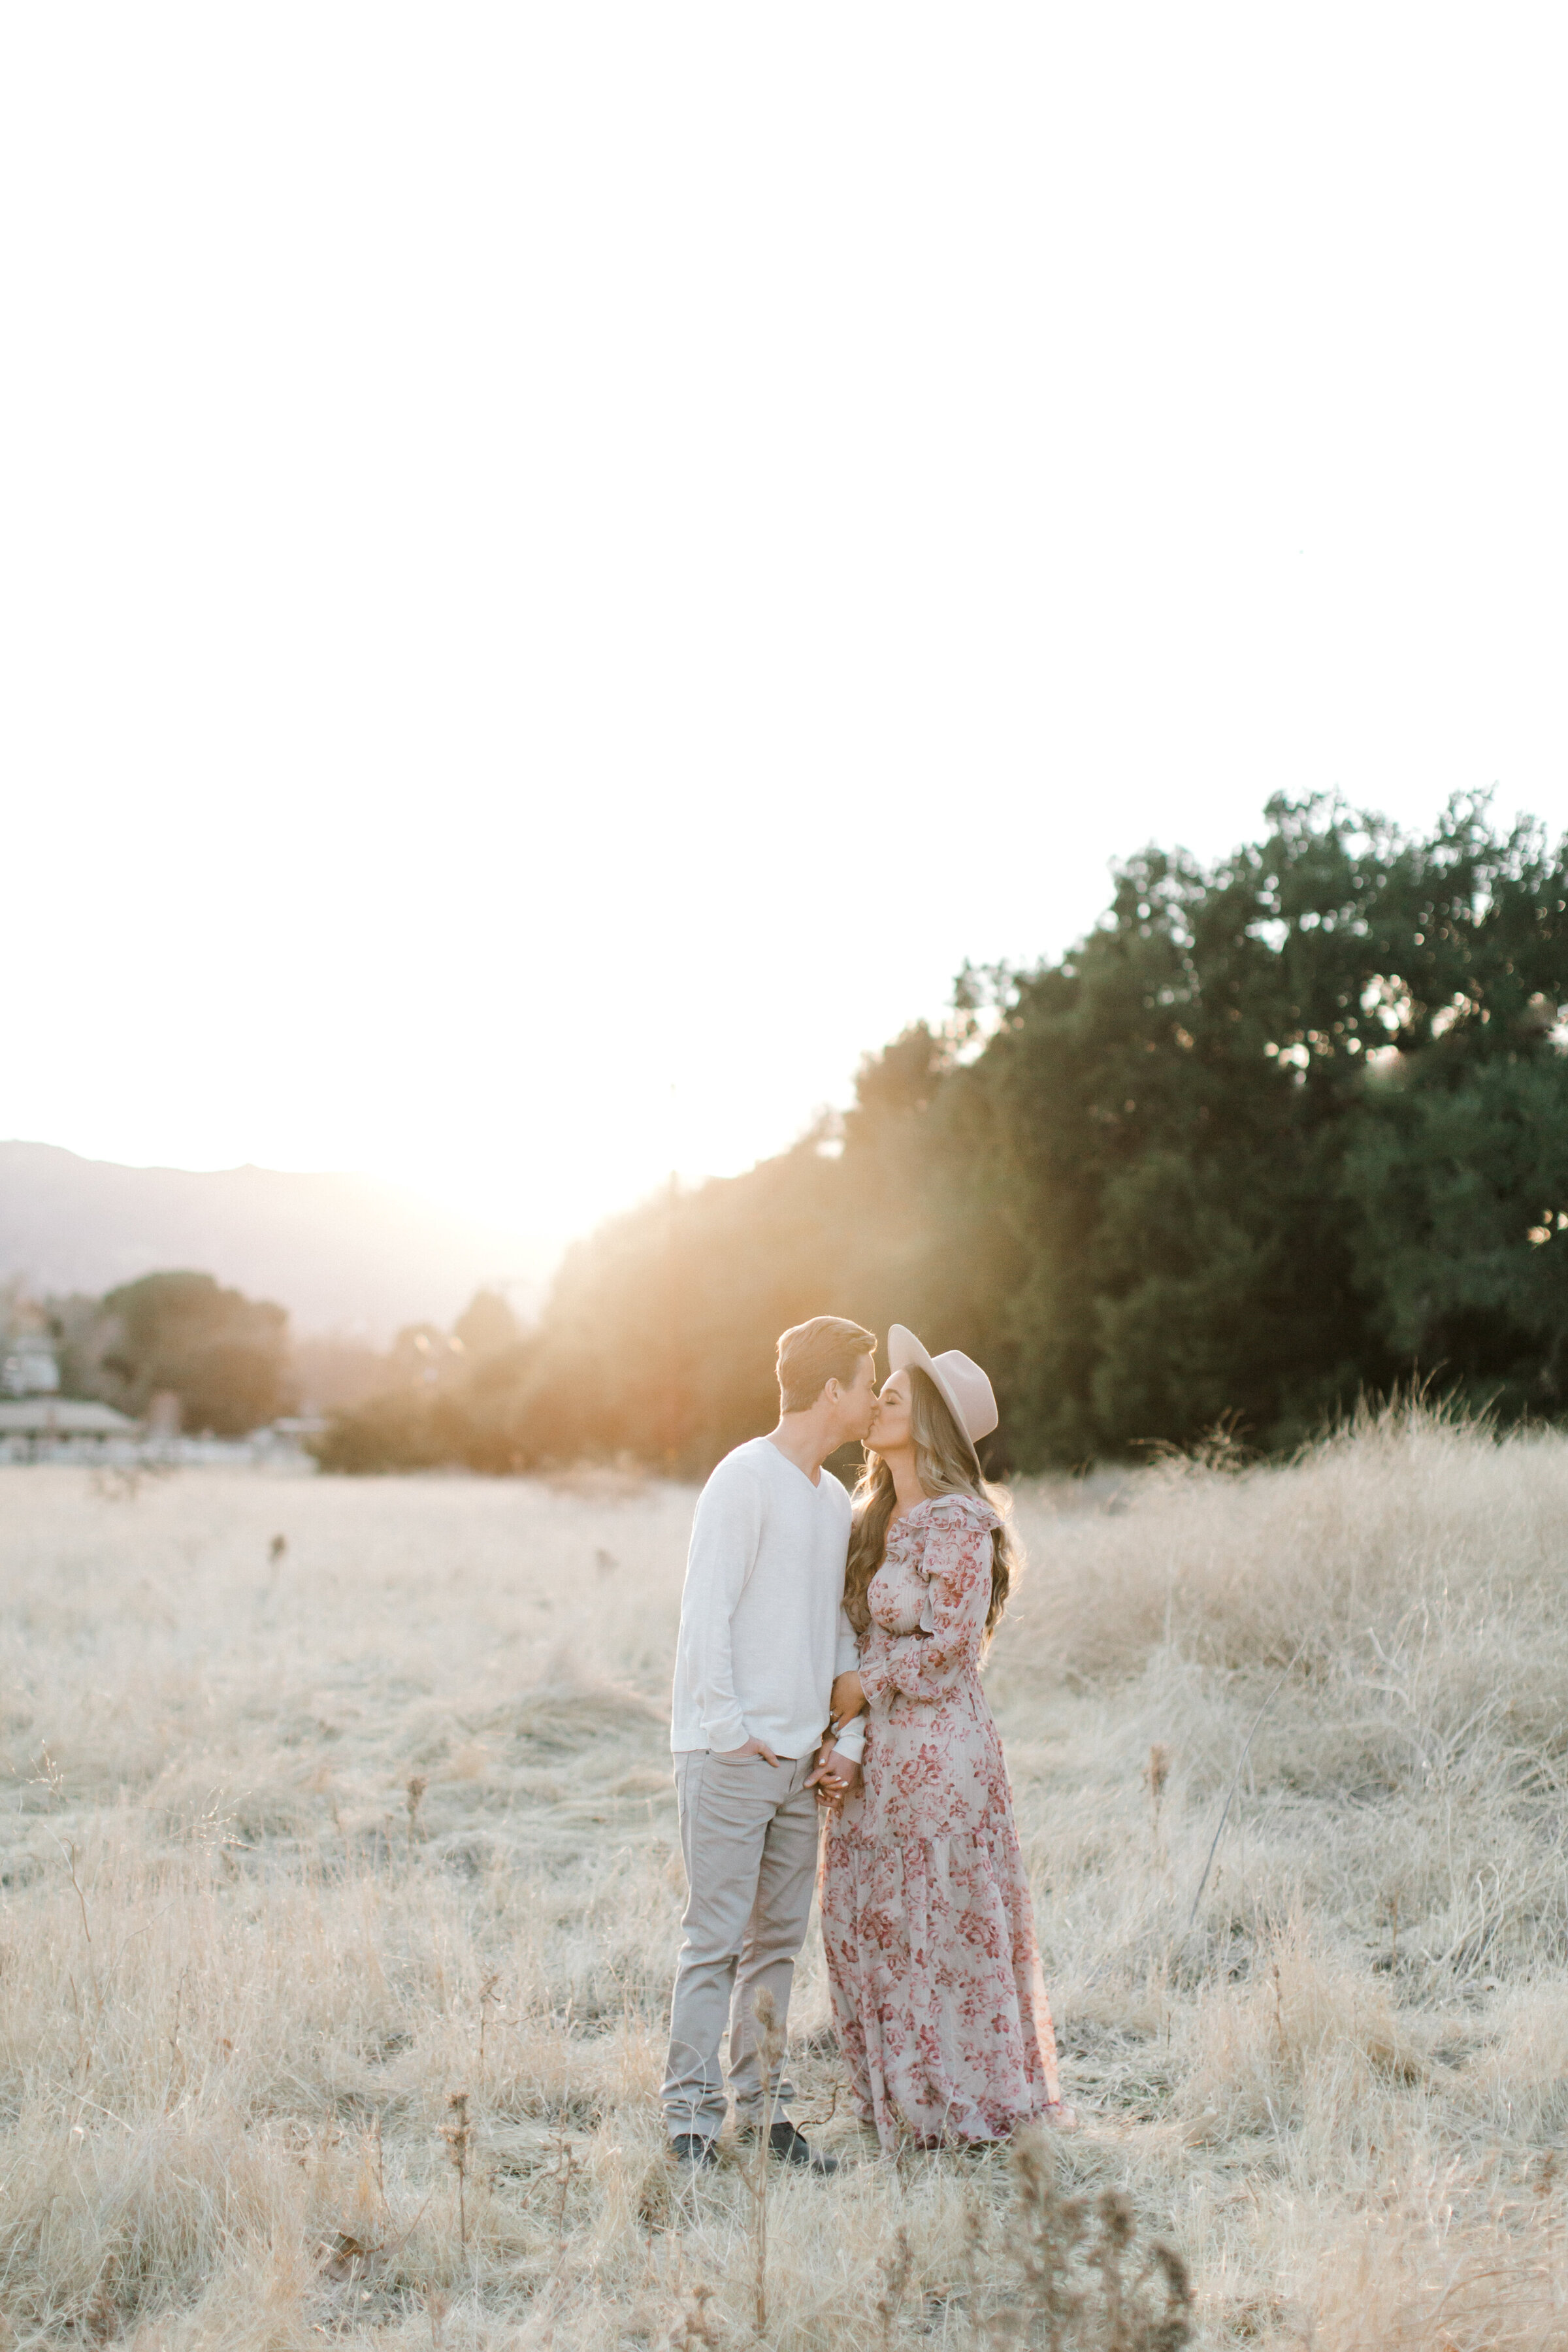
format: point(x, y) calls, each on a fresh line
point(956, 1559)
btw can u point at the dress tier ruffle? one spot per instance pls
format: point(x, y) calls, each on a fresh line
point(931, 1955)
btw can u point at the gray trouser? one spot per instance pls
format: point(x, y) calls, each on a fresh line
point(748, 1832)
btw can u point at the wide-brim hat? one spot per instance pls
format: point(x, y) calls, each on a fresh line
point(968, 1395)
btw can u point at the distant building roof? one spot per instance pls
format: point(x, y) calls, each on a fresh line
point(57, 1417)
point(29, 1367)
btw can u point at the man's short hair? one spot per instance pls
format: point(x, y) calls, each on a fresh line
point(812, 1354)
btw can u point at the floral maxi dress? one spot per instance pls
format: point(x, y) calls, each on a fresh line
point(937, 1990)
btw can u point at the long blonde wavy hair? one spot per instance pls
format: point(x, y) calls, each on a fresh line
point(946, 1465)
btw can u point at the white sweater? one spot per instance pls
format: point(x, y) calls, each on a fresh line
point(762, 1628)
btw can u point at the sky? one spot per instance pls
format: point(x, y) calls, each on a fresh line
point(562, 567)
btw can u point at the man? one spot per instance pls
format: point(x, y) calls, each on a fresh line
point(763, 1634)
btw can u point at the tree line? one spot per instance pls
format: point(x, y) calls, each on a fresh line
point(224, 1365)
point(1282, 1130)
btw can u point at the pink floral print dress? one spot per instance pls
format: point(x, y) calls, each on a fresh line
point(935, 1971)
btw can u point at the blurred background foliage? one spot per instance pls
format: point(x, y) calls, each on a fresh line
point(221, 1360)
point(1279, 1131)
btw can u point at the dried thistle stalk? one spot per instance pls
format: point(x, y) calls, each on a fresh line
point(414, 1797)
point(458, 2136)
point(895, 2272)
point(770, 2055)
point(1156, 1773)
point(695, 2326)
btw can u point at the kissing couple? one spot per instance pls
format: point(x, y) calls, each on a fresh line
point(830, 1655)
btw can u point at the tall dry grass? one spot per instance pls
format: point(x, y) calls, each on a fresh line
point(304, 1843)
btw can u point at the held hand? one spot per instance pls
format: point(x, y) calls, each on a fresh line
point(745, 1755)
point(833, 1777)
point(848, 1697)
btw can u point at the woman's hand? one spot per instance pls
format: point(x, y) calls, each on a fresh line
point(849, 1698)
point(835, 1776)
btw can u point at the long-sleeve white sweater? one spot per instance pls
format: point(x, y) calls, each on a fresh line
point(762, 1628)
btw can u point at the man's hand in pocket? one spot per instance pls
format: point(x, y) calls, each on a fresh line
point(745, 1755)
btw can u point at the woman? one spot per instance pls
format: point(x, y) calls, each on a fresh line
point(935, 1971)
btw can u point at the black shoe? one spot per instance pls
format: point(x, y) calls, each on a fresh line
point(691, 2150)
point(790, 2147)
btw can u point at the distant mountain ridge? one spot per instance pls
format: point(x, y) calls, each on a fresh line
point(342, 1253)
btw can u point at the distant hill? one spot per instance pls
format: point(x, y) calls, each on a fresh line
point(341, 1253)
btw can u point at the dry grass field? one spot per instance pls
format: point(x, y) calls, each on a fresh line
point(300, 1843)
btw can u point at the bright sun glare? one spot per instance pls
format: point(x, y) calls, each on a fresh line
point(564, 567)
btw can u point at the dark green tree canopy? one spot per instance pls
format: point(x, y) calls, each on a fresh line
point(1205, 1116)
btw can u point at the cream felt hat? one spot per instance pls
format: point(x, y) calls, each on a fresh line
point(968, 1394)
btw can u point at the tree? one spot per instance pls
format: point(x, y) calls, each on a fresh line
point(225, 1356)
point(487, 1326)
point(1459, 1162)
point(1207, 1142)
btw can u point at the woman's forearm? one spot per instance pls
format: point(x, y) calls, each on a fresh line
point(848, 1697)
